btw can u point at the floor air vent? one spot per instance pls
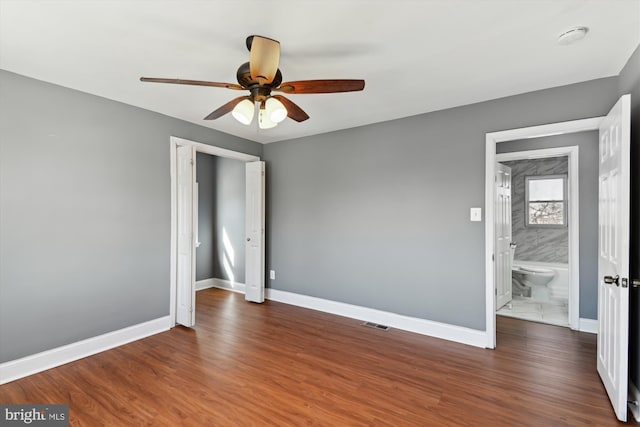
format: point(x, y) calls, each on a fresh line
point(376, 326)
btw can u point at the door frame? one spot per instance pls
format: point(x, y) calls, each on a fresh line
point(491, 140)
point(174, 142)
point(571, 152)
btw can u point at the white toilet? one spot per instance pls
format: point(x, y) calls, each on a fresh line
point(532, 276)
point(524, 278)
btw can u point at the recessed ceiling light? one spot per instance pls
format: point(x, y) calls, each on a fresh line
point(572, 35)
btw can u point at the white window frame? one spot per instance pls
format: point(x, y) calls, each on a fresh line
point(565, 201)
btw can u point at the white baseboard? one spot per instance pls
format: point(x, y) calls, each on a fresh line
point(29, 365)
point(634, 395)
point(412, 324)
point(204, 284)
point(220, 284)
point(588, 325)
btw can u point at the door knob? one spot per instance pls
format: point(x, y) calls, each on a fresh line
point(609, 280)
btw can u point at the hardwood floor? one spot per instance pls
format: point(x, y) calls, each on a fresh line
point(278, 365)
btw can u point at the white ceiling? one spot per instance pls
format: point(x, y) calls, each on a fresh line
point(416, 56)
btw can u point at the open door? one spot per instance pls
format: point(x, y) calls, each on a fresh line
point(186, 266)
point(503, 235)
point(613, 260)
point(254, 258)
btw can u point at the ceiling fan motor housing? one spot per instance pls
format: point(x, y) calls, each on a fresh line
point(258, 93)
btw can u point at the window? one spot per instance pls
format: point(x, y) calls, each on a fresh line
point(546, 201)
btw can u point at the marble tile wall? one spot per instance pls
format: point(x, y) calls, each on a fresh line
point(536, 244)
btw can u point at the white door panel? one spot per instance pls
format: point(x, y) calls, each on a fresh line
point(254, 231)
point(613, 260)
point(503, 235)
point(185, 272)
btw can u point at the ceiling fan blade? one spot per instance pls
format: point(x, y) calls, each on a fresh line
point(321, 86)
point(192, 82)
point(293, 111)
point(225, 108)
point(264, 59)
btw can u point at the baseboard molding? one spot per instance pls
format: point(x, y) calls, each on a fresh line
point(29, 365)
point(220, 284)
point(634, 395)
point(588, 325)
point(445, 331)
point(204, 284)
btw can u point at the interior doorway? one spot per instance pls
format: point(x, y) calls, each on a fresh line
point(184, 226)
point(219, 205)
point(543, 275)
point(492, 139)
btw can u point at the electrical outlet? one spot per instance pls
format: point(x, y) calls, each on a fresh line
point(272, 274)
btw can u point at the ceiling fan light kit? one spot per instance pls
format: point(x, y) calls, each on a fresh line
point(260, 76)
point(244, 111)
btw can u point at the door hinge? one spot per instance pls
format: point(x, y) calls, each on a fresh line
point(493, 257)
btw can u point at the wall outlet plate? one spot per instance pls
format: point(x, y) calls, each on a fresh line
point(272, 274)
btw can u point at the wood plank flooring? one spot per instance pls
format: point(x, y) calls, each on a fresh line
point(278, 365)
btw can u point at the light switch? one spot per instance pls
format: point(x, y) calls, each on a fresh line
point(476, 214)
point(272, 274)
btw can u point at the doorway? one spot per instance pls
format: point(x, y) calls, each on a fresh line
point(543, 275)
point(492, 139)
point(183, 155)
point(219, 204)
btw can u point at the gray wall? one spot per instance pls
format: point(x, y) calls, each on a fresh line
point(629, 82)
point(540, 244)
point(206, 253)
point(378, 216)
point(84, 213)
point(221, 210)
point(588, 205)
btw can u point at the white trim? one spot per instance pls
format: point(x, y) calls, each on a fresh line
point(215, 151)
point(588, 325)
point(634, 395)
point(204, 284)
point(174, 142)
point(491, 140)
point(29, 365)
point(412, 324)
point(560, 128)
point(220, 284)
point(573, 154)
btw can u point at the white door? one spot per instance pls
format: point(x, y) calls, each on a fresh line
point(254, 231)
point(503, 235)
point(613, 260)
point(185, 272)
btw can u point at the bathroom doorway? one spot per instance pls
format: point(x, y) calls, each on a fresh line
point(542, 192)
point(583, 238)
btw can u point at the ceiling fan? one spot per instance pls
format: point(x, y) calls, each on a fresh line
point(261, 76)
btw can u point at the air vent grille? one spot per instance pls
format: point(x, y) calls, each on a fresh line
point(376, 326)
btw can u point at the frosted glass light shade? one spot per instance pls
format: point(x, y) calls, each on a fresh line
point(243, 112)
point(275, 109)
point(264, 121)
